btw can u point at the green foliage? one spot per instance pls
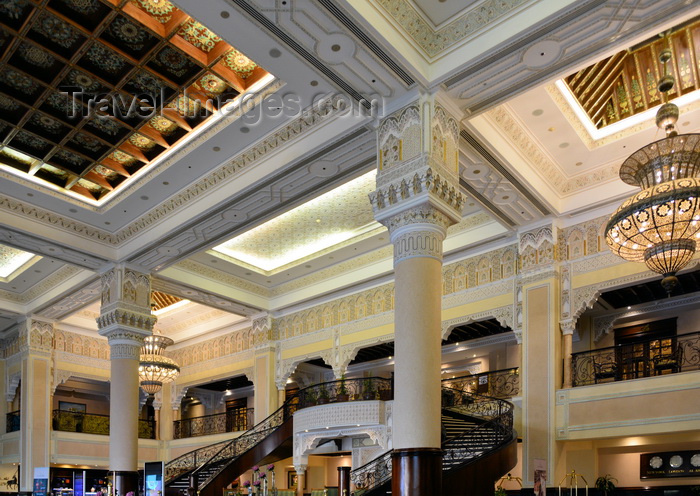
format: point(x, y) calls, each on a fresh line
point(606, 484)
point(500, 492)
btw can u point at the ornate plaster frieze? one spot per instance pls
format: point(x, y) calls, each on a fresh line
point(36, 336)
point(11, 383)
point(218, 275)
point(61, 376)
point(433, 41)
point(82, 360)
point(482, 292)
point(73, 301)
point(177, 392)
point(601, 260)
point(41, 287)
point(565, 289)
point(304, 443)
point(222, 347)
point(424, 182)
point(537, 247)
point(581, 240)
point(547, 169)
point(504, 316)
point(418, 243)
point(480, 270)
point(341, 311)
point(117, 320)
point(79, 344)
point(342, 415)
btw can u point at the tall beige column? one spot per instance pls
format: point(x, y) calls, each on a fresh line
point(417, 198)
point(36, 343)
point(125, 319)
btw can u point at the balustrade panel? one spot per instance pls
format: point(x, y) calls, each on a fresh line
point(644, 358)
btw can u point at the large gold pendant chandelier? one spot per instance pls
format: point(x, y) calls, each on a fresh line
point(155, 369)
point(660, 225)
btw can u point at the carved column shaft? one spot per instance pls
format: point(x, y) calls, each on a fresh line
point(125, 319)
point(567, 333)
point(417, 198)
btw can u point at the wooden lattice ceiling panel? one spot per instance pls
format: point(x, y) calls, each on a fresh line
point(625, 84)
point(106, 54)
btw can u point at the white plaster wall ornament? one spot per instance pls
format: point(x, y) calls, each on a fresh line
point(158, 400)
point(504, 316)
point(42, 287)
point(82, 361)
point(478, 293)
point(177, 393)
point(602, 326)
point(11, 384)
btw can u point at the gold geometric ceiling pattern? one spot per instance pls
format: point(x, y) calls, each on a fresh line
point(140, 76)
point(625, 83)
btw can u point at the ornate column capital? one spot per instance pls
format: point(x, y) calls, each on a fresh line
point(125, 312)
point(568, 327)
point(35, 335)
point(418, 194)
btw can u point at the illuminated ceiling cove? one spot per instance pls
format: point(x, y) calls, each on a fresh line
point(625, 84)
point(316, 227)
point(14, 261)
point(142, 77)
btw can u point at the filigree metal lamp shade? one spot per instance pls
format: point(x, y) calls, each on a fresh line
point(660, 225)
point(155, 369)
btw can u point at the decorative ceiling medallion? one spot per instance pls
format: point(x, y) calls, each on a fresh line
point(162, 10)
point(197, 35)
point(239, 63)
point(127, 51)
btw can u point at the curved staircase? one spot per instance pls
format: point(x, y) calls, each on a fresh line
point(479, 446)
point(477, 435)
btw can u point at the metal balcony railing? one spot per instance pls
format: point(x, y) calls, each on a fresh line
point(643, 358)
point(231, 421)
point(12, 421)
point(92, 423)
point(504, 383)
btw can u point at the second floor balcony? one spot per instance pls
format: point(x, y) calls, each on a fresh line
point(91, 423)
point(643, 358)
point(231, 421)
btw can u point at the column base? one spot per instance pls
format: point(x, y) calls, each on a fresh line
point(416, 472)
point(343, 481)
point(125, 482)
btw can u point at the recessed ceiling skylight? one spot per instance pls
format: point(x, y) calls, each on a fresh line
point(13, 261)
point(330, 220)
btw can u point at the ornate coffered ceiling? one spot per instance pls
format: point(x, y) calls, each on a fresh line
point(93, 93)
point(625, 84)
point(327, 222)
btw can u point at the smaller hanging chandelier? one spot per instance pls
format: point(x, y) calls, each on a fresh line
point(155, 369)
point(660, 225)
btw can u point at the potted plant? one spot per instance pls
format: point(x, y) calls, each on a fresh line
point(500, 492)
point(342, 395)
point(323, 396)
point(385, 393)
point(310, 398)
point(605, 485)
point(369, 392)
